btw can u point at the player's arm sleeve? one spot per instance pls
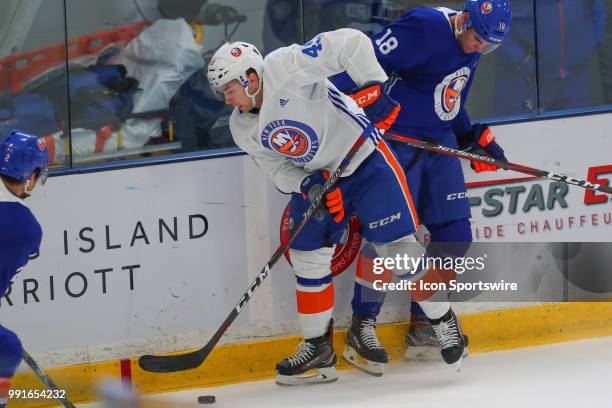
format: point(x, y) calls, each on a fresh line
point(13, 258)
point(284, 174)
point(325, 55)
point(36, 238)
point(462, 125)
point(463, 128)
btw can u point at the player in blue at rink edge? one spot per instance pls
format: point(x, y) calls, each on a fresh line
point(23, 164)
point(431, 55)
point(296, 126)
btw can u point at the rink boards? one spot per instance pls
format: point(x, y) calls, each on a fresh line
point(151, 259)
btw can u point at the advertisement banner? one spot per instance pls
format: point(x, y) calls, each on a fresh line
point(508, 206)
point(132, 254)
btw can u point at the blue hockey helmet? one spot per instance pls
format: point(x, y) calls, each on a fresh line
point(21, 155)
point(491, 19)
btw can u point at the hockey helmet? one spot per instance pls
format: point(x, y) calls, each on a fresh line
point(491, 19)
point(21, 155)
point(232, 61)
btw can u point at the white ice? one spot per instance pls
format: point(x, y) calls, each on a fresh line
point(572, 374)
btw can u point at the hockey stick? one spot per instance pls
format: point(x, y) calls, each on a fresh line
point(57, 393)
point(190, 360)
point(421, 144)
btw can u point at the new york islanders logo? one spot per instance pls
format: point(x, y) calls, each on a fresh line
point(452, 93)
point(236, 52)
point(447, 96)
point(291, 139)
point(41, 145)
point(289, 142)
point(486, 7)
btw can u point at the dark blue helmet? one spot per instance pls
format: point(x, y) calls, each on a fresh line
point(491, 19)
point(21, 155)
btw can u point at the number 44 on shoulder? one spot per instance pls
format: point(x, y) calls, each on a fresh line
point(386, 44)
point(312, 47)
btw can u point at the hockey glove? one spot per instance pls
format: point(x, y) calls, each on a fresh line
point(311, 186)
point(379, 107)
point(481, 140)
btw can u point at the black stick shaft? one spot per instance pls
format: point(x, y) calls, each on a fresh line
point(190, 360)
point(421, 144)
point(45, 379)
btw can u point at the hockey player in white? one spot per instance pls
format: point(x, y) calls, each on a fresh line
point(297, 126)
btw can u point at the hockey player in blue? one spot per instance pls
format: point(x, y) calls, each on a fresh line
point(23, 164)
point(431, 55)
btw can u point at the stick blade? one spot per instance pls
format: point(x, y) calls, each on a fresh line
point(169, 364)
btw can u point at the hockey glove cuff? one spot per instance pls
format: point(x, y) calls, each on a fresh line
point(379, 107)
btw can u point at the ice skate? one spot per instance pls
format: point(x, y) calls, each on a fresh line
point(422, 342)
point(363, 350)
point(452, 341)
point(314, 362)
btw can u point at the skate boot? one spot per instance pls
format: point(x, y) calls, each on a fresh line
point(422, 341)
point(312, 363)
point(452, 341)
point(363, 350)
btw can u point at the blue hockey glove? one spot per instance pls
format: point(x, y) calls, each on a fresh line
point(379, 107)
point(334, 204)
point(481, 139)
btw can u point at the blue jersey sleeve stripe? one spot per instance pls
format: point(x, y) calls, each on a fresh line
point(314, 282)
point(363, 123)
point(351, 115)
point(334, 92)
point(335, 96)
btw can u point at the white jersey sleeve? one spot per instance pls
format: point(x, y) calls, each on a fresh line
point(325, 55)
point(282, 171)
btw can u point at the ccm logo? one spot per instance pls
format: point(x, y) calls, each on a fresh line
point(365, 99)
point(385, 221)
point(455, 196)
point(367, 96)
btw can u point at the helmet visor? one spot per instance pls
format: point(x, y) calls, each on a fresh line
point(229, 90)
point(488, 46)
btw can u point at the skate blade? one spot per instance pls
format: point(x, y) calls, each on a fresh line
point(314, 376)
point(367, 366)
point(422, 353)
point(457, 364)
point(426, 353)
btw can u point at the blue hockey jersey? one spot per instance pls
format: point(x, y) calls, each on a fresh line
point(429, 74)
point(20, 236)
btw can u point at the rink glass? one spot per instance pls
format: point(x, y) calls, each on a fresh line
point(550, 63)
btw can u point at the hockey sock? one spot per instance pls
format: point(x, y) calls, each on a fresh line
point(416, 310)
point(367, 300)
point(436, 306)
point(314, 291)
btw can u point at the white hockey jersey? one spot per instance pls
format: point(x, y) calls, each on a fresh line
point(305, 124)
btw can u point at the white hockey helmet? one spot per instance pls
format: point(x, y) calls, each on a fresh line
point(232, 61)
